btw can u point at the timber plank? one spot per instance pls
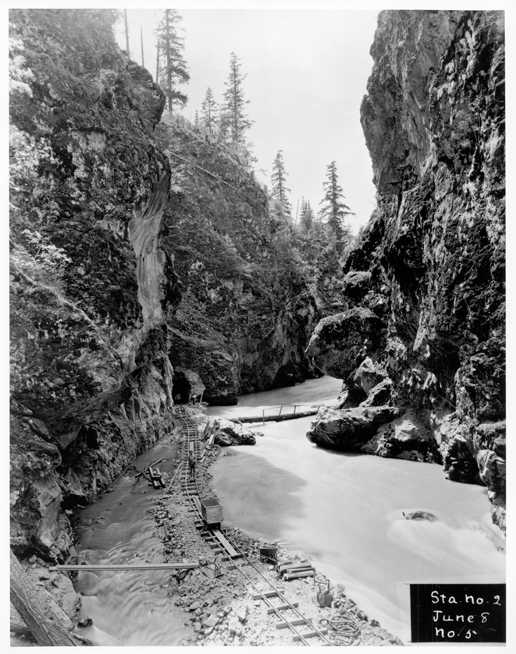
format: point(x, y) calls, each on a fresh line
point(134, 566)
point(226, 544)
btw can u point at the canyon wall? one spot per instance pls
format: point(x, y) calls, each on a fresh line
point(421, 348)
point(91, 382)
point(246, 315)
point(111, 232)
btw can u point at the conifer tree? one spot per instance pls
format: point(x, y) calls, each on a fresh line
point(126, 27)
point(279, 184)
point(334, 210)
point(171, 66)
point(209, 113)
point(307, 217)
point(234, 104)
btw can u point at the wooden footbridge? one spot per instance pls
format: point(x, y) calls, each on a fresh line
point(282, 412)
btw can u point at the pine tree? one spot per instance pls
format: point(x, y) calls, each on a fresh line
point(234, 103)
point(334, 210)
point(209, 113)
point(307, 216)
point(126, 26)
point(141, 44)
point(171, 66)
point(279, 185)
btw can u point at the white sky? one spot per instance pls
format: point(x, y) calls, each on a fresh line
point(307, 72)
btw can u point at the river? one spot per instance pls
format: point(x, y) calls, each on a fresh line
point(127, 608)
point(345, 511)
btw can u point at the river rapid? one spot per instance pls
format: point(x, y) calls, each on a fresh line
point(344, 511)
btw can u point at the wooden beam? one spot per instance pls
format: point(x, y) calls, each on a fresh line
point(297, 575)
point(121, 567)
point(225, 544)
point(47, 622)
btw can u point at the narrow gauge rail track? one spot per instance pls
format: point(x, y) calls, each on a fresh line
point(288, 613)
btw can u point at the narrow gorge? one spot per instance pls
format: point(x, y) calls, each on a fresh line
point(421, 346)
point(148, 269)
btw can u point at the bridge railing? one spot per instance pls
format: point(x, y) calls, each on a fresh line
point(289, 408)
point(279, 410)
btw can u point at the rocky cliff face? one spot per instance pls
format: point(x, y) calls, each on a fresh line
point(246, 314)
point(91, 285)
point(425, 334)
point(108, 226)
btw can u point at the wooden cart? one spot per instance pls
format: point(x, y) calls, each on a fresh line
point(211, 513)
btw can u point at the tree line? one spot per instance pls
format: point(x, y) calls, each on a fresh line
point(227, 122)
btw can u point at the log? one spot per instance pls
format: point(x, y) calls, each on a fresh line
point(290, 571)
point(293, 564)
point(297, 575)
point(121, 567)
point(47, 622)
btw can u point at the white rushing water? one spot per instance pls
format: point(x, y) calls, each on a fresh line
point(345, 511)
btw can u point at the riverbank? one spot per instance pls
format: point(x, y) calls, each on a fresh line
point(221, 609)
point(199, 607)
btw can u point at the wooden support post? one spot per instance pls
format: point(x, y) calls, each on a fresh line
point(48, 623)
point(281, 407)
point(263, 416)
point(295, 407)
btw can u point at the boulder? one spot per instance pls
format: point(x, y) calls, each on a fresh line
point(356, 284)
point(380, 395)
point(419, 515)
point(228, 432)
point(348, 429)
point(406, 437)
point(492, 471)
point(341, 342)
point(368, 375)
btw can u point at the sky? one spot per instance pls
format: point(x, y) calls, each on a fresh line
point(306, 74)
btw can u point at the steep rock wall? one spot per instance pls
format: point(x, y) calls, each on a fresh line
point(111, 226)
point(246, 315)
point(431, 263)
point(91, 286)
